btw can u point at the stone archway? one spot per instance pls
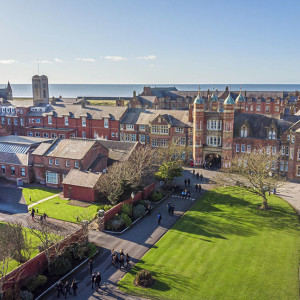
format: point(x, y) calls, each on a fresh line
point(213, 161)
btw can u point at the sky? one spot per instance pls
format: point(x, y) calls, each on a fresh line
point(157, 41)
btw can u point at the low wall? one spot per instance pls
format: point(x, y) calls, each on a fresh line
point(39, 264)
point(138, 196)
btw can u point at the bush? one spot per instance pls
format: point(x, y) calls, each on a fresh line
point(34, 282)
point(145, 202)
point(92, 249)
point(126, 219)
point(138, 211)
point(59, 266)
point(156, 196)
point(108, 225)
point(25, 295)
point(127, 209)
point(144, 278)
point(117, 222)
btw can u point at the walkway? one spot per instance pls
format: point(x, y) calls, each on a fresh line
point(136, 241)
point(290, 192)
point(42, 200)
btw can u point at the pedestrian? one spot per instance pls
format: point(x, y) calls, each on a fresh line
point(59, 287)
point(189, 194)
point(169, 207)
point(196, 187)
point(149, 209)
point(201, 177)
point(91, 266)
point(98, 280)
point(158, 218)
point(182, 193)
point(199, 188)
point(189, 182)
point(127, 259)
point(45, 216)
point(41, 219)
point(185, 193)
point(197, 175)
point(112, 252)
point(74, 286)
point(93, 279)
point(193, 172)
point(32, 213)
point(185, 182)
point(172, 209)
point(114, 260)
point(30, 198)
point(67, 289)
point(122, 261)
point(121, 252)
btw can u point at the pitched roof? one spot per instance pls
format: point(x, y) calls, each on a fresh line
point(14, 159)
point(24, 140)
point(146, 100)
point(81, 178)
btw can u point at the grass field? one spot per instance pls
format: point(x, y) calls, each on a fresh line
point(105, 102)
point(225, 248)
point(61, 209)
point(38, 193)
point(13, 264)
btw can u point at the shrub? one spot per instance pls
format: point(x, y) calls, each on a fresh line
point(144, 278)
point(92, 249)
point(83, 252)
point(138, 211)
point(108, 225)
point(127, 209)
point(157, 196)
point(126, 219)
point(34, 282)
point(59, 266)
point(25, 295)
point(145, 202)
point(117, 223)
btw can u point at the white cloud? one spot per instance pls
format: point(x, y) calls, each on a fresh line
point(86, 59)
point(148, 57)
point(58, 60)
point(115, 58)
point(152, 66)
point(7, 61)
point(48, 62)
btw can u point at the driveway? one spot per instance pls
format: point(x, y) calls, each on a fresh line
point(12, 201)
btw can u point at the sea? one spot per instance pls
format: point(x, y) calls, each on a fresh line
point(126, 90)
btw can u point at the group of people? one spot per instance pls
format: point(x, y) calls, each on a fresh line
point(65, 289)
point(198, 176)
point(171, 208)
point(43, 216)
point(198, 187)
point(120, 260)
point(95, 278)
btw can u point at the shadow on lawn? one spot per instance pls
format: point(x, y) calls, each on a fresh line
point(218, 215)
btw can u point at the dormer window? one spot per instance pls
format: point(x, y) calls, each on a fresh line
point(272, 134)
point(244, 131)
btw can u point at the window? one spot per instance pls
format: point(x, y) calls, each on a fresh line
point(50, 120)
point(244, 132)
point(293, 139)
point(281, 166)
point(277, 108)
point(23, 172)
point(258, 108)
point(122, 126)
point(219, 125)
point(179, 129)
point(142, 127)
point(38, 134)
point(288, 137)
point(62, 136)
point(3, 170)
point(287, 151)
point(142, 138)
point(30, 134)
point(251, 108)
point(133, 137)
point(270, 135)
point(298, 171)
point(292, 153)
point(50, 161)
point(164, 129)
point(243, 148)
point(282, 150)
point(37, 121)
point(16, 121)
point(105, 123)
point(163, 143)
point(155, 129)
point(2, 120)
point(274, 150)
point(274, 135)
point(267, 108)
point(66, 120)
point(67, 163)
point(247, 108)
point(72, 135)
point(116, 134)
point(112, 134)
point(154, 143)
point(76, 164)
point(248, 148)
point(127, 137)
point(8, 110)
point(12, 170)
point(268, 149)
point(52, 178)
point(286, 166)
point(45, 135)
point(8, 121)
point(298, 154)
point(129, 127)
point(219, 141)
point(53, 135)
point(22, 122)
point(95, 135)
point(182, 141)
point(83, 121)
point(237, 148)
point(56, 161)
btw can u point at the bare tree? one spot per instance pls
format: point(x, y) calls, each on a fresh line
point(256, 172)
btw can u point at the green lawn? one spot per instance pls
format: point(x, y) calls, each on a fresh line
point(61, 209)
point(13, 264)
point(225, 248)
point(38, 193)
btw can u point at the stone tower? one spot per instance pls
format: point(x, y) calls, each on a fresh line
point(40, 90)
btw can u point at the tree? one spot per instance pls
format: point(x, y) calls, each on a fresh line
point(256, 172)
point(168, 171)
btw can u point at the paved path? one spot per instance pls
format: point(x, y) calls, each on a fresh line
point(43, 200)
point(290, 192)
point(136, 241)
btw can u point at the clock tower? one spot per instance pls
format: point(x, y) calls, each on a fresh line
point(40, 90)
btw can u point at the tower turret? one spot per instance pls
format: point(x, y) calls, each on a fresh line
point(40, 90)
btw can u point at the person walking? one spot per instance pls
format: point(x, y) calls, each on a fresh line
point(121, 252)
point(127, 259)
point(196, 187)
point(201, 177)
point(30, 198)
point(67, 289)
point(199, 188)
point(185, 182)
point(197, 175)
point(41, 219)
point(172, 209)
point(91, 266)
point(122, 261)
point(194, 172)
point(169, 207)
point(189, 194)
point(189, 181)
point(59, 287)
point(93, 279)
point(32, 213)
point(158, 218)
point(45, 216)
point(74, 286)
point(98, 280)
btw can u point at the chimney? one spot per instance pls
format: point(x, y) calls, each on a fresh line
point(53, 100)
point(134, 93)
point(83, 103)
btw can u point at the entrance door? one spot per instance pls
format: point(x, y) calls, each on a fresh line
point(212, 161)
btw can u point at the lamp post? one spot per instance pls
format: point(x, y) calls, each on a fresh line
point(132, 197)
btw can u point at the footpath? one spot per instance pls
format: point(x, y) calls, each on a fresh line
point(136, 241)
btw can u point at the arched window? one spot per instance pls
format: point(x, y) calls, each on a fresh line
point(274, 135)
point(244, 131)
point(270, 134)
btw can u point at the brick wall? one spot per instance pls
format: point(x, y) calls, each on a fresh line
point(80, 193)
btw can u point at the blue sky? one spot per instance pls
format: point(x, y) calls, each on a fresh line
point(142, 41)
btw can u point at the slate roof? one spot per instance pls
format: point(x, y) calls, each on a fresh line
point(14, 158)
point(258, 125)
point(176, 118)
point(81, 178)
point(146, 100)
point(24, 140)
point(76, 111)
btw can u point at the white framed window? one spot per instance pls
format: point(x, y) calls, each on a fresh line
point(258, 108)
point(282, 150)
point(62, 136)
point(163, 143)
point(30, 133)
point(52, 178)
point(38, 134)
point(45, 135)
point(129, 127)
point(293, 139)
point(288, 137)
point(298, 171)
point(95, 135)
point(66, 121)
point(105, 123)
point(243, 148)
point(268, 149)
point(298, 154)
point(164, 129)
point(248, 148)
point(16, 121)
point(276, 108)
point(142, 138)
point(133, 137)
point(179, 129)
point(83, 121)
point(12, 170)
point(182, 141)
point(292, 153)
point(2, 120)
point(112, 134)
point(155, 129)
point(3, 170)
point(270, 134)
point(67, 163)
point(38, 120)
point(237, 148)
point(76, 164)
point(22, 122)
point(56, 161)
point(274, 135)
point(267, 108)
point(287, 151)
point(274, 150)
point(142, 127)
point(8, 121)
point(154, 142)
point(23, 173)
point(50, 161)
point(53, 135)
point(84, 134)
point(286, 166)
point(50, 120)
point(219, 125)
point(281, 166)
